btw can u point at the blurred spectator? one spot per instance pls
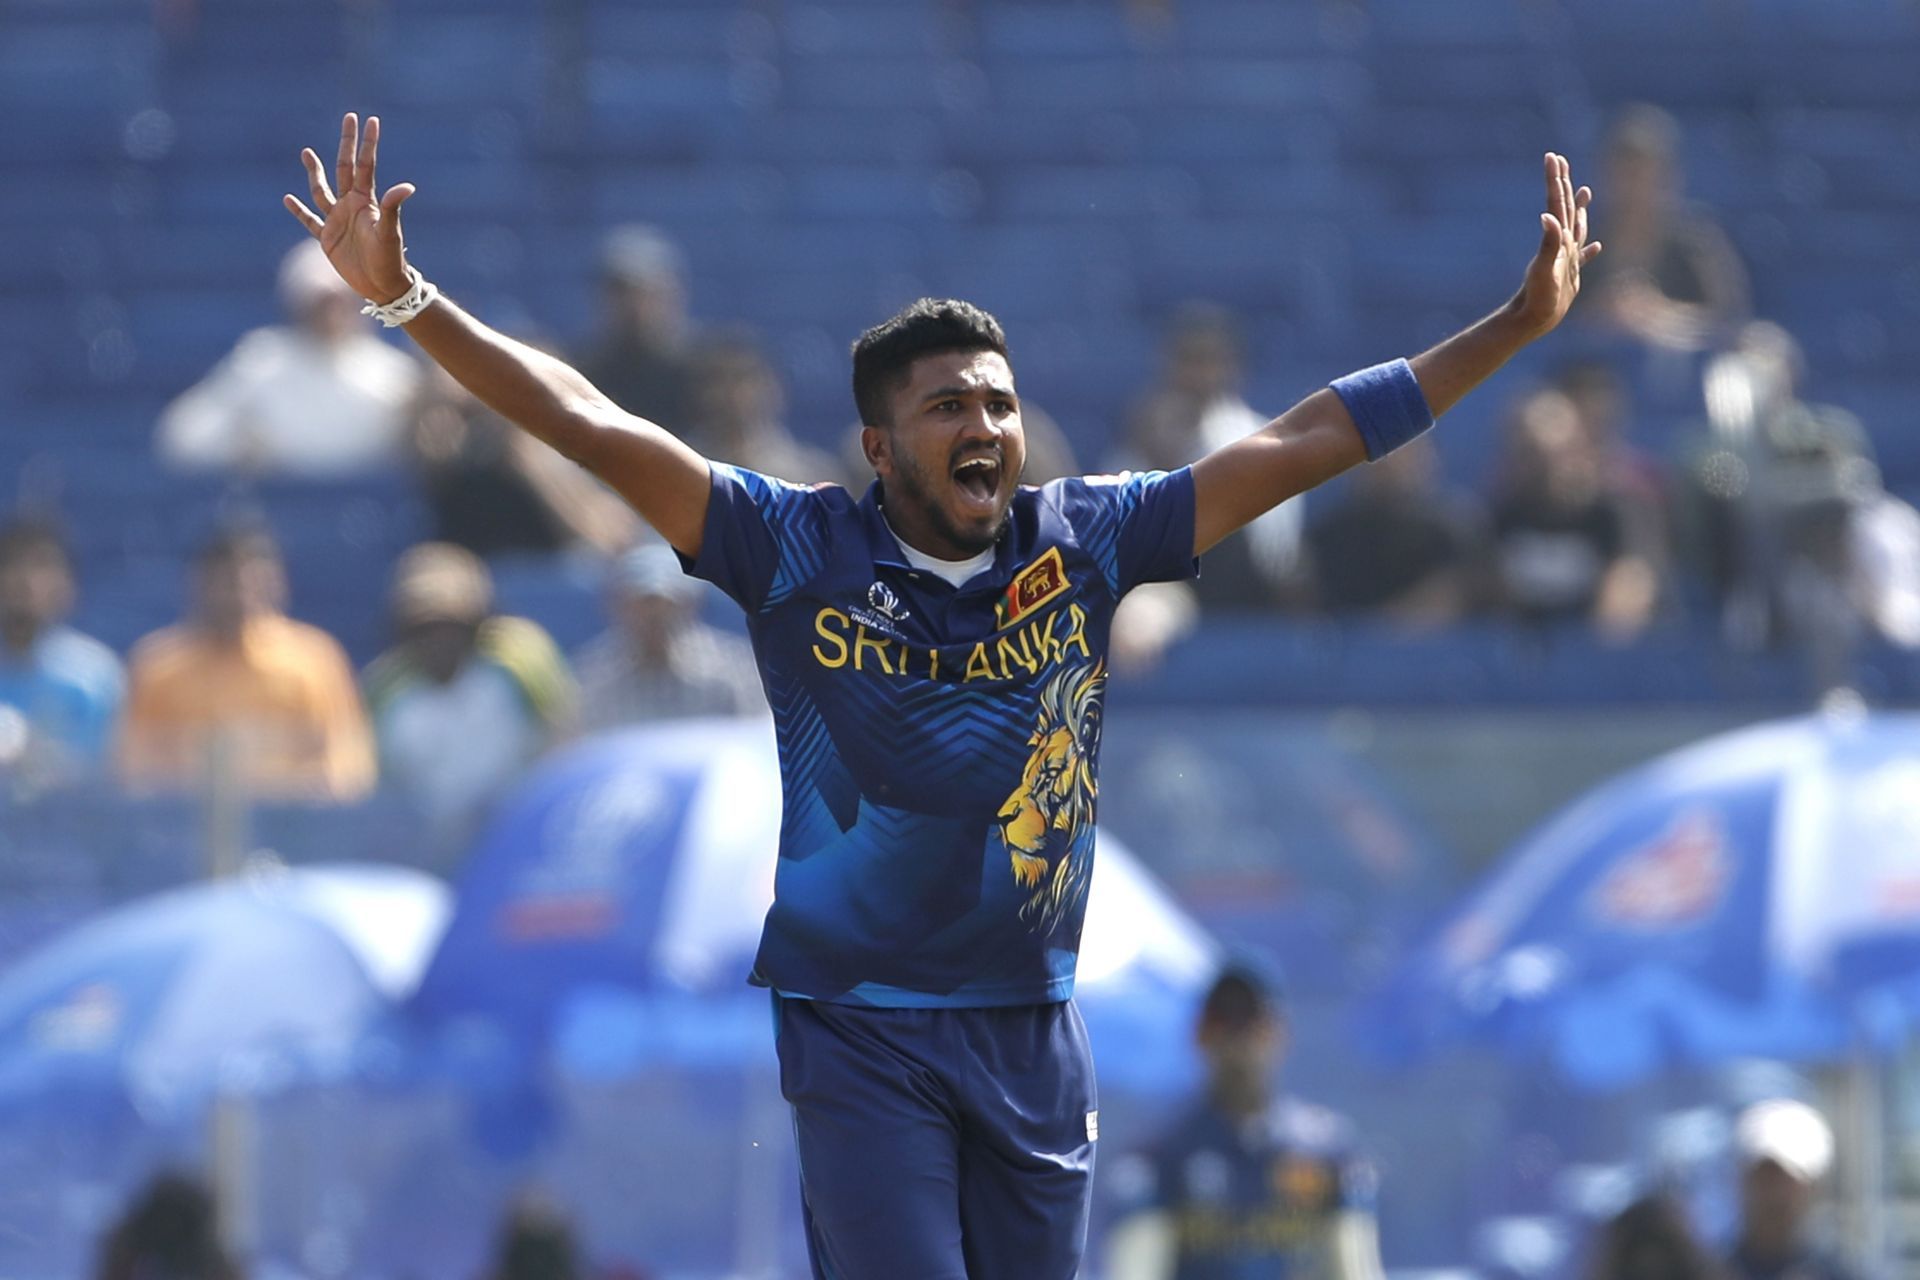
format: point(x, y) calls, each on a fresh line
point(738, 415)
point(317, 398)
point(65, 688)
point(639, 357)
point(1050, 454)
point(1195, 408)
point(1152, 618)
point(465, 698)
point(536, 1243)
point(1790, 525)
point(658, 661)
point(1246, 1182)
point(1633, 478)
point(1560, 540)
point(1651, 1240)
point(495, 490)
point(277, 695)
point(1670, 278)
point(1398, 546)
point(171, 1232)
point(1785, 1149)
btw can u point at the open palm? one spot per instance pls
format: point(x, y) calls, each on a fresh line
point(1553, 277)
point(358, 229)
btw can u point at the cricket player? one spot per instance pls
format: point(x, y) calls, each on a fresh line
point(1246, 1183)
point(934, 651)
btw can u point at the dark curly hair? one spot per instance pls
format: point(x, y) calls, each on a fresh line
point(884, 354)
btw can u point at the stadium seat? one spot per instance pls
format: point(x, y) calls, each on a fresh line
point(1257, 26)
point(698, 31)
point(876, 192)
point(796, 139)
point(431, 59)
point(1091, 192)
point(1079, 83)
point(1053, 28)
point(892, 28)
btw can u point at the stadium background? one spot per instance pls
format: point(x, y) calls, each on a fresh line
point(1353, 180)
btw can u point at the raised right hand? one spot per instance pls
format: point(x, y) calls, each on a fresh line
point(358, 230)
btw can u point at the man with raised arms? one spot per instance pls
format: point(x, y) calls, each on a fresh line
point(935, 655)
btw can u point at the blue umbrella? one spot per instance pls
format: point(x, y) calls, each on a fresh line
point(1754, 894)
point(240, 985)
point(607, 919)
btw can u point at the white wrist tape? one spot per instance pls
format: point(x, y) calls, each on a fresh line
point(419, 296)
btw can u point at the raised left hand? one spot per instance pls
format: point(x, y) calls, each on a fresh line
point(1553, 277)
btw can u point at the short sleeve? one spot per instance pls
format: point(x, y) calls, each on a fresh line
point(1138, 525)
point(763, 537)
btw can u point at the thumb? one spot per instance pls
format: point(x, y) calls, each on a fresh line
point(390, 205)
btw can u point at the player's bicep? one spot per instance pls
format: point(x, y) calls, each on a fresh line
point(1238, 483)
point(657, 474)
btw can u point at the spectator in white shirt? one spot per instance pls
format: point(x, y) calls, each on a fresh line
point(320, 397)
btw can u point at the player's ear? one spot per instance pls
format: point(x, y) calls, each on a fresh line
point(877, 444)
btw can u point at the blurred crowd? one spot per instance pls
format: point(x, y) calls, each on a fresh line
point(172, 1230)
point(1746, 514)
point(1244, 1179)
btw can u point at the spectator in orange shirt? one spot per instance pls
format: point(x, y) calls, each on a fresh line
point(281, 694)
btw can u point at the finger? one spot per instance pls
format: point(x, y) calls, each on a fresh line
point(1550, 233)
point(349, 143)
point(1553, 187)
point(1582, 200)
point(390, 204)
point(306, 217)
point(1589, 253)
point(1565, 173)
point(369, 152)
point(317, 181)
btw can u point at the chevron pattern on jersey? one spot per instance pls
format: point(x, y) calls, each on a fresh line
point(938, 816)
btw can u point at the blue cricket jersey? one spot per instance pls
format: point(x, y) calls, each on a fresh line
point(939, 746)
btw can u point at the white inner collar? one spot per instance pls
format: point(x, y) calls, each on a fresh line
point(955, 572)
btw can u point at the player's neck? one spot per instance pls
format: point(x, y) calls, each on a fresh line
point(917, 541)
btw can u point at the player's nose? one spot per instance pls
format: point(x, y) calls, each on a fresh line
point(980, 426)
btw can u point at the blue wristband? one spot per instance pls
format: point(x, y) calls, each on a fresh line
point(1387, 405)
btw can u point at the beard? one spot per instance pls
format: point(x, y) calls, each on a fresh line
point(916, 490)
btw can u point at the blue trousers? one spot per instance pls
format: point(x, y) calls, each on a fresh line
point(941, 1144)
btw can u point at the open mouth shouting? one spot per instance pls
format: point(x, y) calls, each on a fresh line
point(977, 481)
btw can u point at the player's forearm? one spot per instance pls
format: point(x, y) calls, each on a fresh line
point(1448, 371)
point(651, 469)
point(527, 387)
point(1304, 447)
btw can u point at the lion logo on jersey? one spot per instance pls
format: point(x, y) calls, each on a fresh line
point(1047, 823)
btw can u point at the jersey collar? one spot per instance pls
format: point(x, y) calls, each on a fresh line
point(885, 547)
